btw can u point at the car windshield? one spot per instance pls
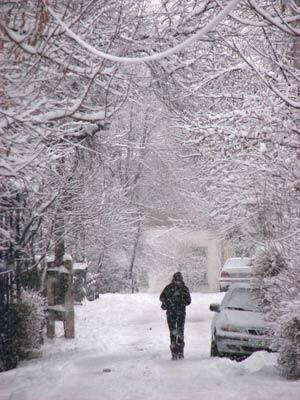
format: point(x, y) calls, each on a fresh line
point(241, 299)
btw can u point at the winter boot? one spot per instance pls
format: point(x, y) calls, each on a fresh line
point(173, 348)
point(180, 350)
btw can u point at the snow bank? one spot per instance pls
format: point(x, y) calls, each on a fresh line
point(260, 361)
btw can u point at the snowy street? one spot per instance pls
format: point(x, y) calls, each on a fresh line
point(121, 353)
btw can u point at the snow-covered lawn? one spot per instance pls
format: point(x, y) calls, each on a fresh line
point(121, 353)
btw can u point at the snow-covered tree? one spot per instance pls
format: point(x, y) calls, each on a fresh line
point(56, 102)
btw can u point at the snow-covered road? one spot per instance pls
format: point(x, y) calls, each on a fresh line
point(121, 353)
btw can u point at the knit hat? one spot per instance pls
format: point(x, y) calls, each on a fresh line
point(178, 277)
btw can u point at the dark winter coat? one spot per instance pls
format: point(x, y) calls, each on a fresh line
point(175, 297)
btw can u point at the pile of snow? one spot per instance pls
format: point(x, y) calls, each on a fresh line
point(260, 361)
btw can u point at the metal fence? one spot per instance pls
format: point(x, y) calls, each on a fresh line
point(7, 359)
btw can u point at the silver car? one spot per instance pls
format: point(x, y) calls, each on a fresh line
point(235, 269)
point(238, 328)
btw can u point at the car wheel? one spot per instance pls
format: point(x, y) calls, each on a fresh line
point(214, 352)
point(224, 289)
point(238, 357)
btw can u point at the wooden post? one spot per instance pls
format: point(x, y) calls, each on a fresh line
point(69, 325)
point(51, 302)
point(51, 326)
point(60, 297)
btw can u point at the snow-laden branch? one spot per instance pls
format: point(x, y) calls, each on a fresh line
point(154, 57)
point(34, 50)
point(62, 112)
point(237, 67)
point(247, 22)
point(274, 21)
point(281, 23)
point(286, 99)
point(17, 166)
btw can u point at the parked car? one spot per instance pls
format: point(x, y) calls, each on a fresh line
point(235, 269)
point(238, 328)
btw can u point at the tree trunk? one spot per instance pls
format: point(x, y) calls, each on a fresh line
point(133, 257)
point(59, 229)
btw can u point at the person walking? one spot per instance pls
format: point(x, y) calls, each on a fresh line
point(175, 297)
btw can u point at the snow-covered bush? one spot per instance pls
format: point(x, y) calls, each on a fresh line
point(79, 288)
point(279, 300)
point(93, 286)
point(268, 263)
point(286, 322)
point(29, 321)
point(113, 279)
point(287, 340)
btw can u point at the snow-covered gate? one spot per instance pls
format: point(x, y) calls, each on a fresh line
point(6, 321)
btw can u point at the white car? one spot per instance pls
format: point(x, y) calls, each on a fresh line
point(238, 328)
point(235, 269)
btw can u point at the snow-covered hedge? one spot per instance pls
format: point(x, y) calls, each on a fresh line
point(79, 288)
point(113, 279)
point(279, 284)
point(268, 262)
point(29, 321)
point(287, 340)
point(267, 265)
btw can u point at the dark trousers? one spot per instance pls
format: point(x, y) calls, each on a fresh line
point(176, 326)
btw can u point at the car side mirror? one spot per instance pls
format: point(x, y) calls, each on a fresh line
point(214, 307)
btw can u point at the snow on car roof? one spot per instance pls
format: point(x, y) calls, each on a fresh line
point(238, 262)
